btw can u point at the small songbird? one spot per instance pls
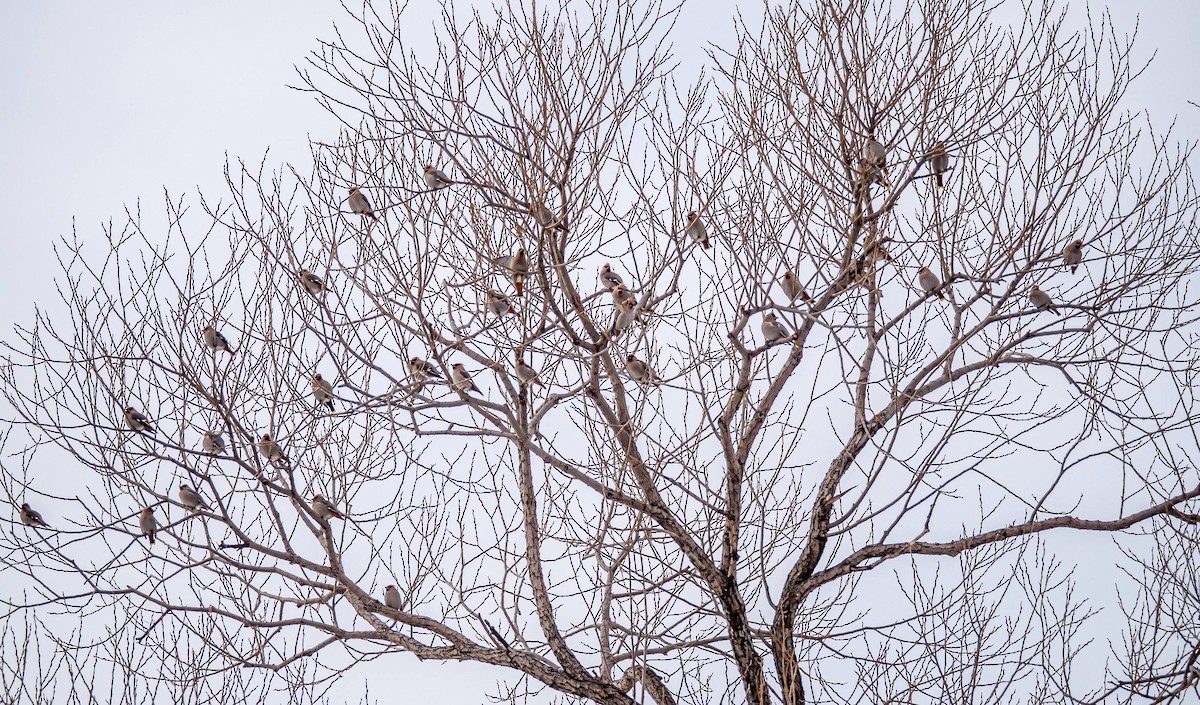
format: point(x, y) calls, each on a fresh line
point(695, 229)
point(313, 284)
point(324, 509)
point(148, 524)
point(1072, 255)
point(498, 303)
point(359, 204)
point(322, 390)
point(939, 162)
point(792, 287)
point(191, 498)
point(624, 314)
point(773, 331)
point(212, 443)
point(436, 179)
point(640, 371)
point(930, 282)
point(422, 369)
point(271, 450)
point(391, 597)
point(874, 153)
point(518, 269)
point(1042, 301)
point(215, 341)
point(138, 421)
point(620, 294)
point(547, 219)
point(30, 517)
point(610, 279)
point(461, 379)
point(525, 373)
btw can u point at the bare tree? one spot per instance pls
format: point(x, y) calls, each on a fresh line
point(738, 475)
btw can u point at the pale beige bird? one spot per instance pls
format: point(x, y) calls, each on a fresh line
point(498, 303)
point(313, 284)
point(930, 282)
point(212, 443)
point(359, 204)
point(215, 341)
point(461, 379)
point(518, 269)
point(30, 517)
point(324, 509)
point(271, 450)
point(792, 288)
point(773, 331)
point(191, 498)
point(624, 314)
point(547, 219)
point(322, 390)
point(1072, 255)
point(422, 369)
point(148, 524)
point(620, 295)
point(525, 373)
point(874, 153)
point(640, 371)
point(610, 279)
point(436, 179)
point(391, 597)
point(1041, 300)
point(939, 162)
point(138, 421)
point(696, 229)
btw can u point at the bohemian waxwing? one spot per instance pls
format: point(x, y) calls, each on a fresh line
point(518, 269)
point(1072, 255)
point(939, 162)
point(137, 420)
point(525, 373)
point(640, 371)
point(30, 517)
point(324, 509)
point(215, 341)
point(624, 314)
point(773, 331)
point(461, 379)
point(422, 369)
point(930, 282)
point(191, 498)
point(547, 219)
point(271, 450)
point(359, 204)
point(436, 179)
point(498, 303)
point(322, 391)
point(610, 279)
point(212, 443)
point(148, 524)
point(620, 294)
point(792, 288)
point(391, 597)
point(1042, 301)
point(695, 229)
point(313, 284)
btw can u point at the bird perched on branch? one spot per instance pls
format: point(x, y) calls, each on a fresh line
point(313, 284)
point(547, 219)
point(148, 524)
point(461, 379)
point(773, 331)
point(498, 303)
point(30, 517)
point(322, 391)
point(525, 373)
point(191, 498)
point(138, 421)
point(422, 370)
point(620, 295)
point(518, 269)
point(1072, 255)
point(792, 288)
point(272, 451)
point(874, 156)
point(624, 314)
point(610, 279)
point(212, 443)
point(696, 229)
point(436, 179)
point(939, 162)
point(1042, 301)
point(930, 282)
point(640, 371)
point(215, 341)
point(391, 597)
point(324, 509)
point(359, 204)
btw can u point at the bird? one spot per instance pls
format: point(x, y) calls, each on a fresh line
point(525, 373)
point(773, 331)
point(621, 294)
point(939, 162)
point(461, 379)
point(547, 219)
point(215, 341)
point(695, 229)
point(640, 371)
point(1072, 255)
point(271, 450)
point(359, 204)
point(930, 282)
point(518, 269)
point(324, 509)
point(191, 498)
point(422, 369)
point(610, 279)
point(624, 314)
point(1041, 300)
point(875, 156)
point(792, 287)
point(498, 303)
point(138, 421)
point(313, 284)
point(212, 443)
point(148, 524)
point(30, 517)
point(322, 390)
point(436, 179)
point(391, 597)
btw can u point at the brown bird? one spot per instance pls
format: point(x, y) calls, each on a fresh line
point(620, 295)
point(324, 509)
point(498, 303)
point(930, 282)
point(640, 371)
point(547, 219)
point(271, 450)
point(30, 517)
point(525, 373)
point(939, 162)
point(148, 524)
point(518, 269)
point(610, 279)
point(773, 331)
point(322, 391)
point(422, 369)
point(191, 498)
point(391, 597)
point(792, 287)
point(359, 204)
point(313, 284)
point(436, 179)
point(1042, 301)
point(461, 379)
point(696, 230)
point(1072, 255)
point(215, 341)
point(138, 421)
point(624, 314)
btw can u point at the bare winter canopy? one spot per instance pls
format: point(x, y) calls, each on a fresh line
point(812, 377)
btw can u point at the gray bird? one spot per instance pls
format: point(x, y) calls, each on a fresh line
point(640, 371)
point(547, 219)
point(359, 204)
point(148, 524)
point(436, 179)
point(191, 498)
point(212, 443)
point(874, 154)
point(610, 279)
point(624, 314)
point(620, 295)
point(324, 509)
point(518, 269)
point(939, 162)
point(391, 597)
point(525, 373)
point(215, 341)
point(498, 303)
point(313, 284)
point(461, 379)
point(138, 421)
point(792, 287)
point(322, 391)
point(1041, 300)
point(271, 450)
point(696, 230)
point(930, 282)
point(422, 369)
point(773, 331)
point(1072, 255)
point(30, 517)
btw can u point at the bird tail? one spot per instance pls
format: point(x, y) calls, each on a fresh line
point(941, 296)
point(519, 284)
point(150, 535)
point(1073, 268)
point(329, 404)
point(706, 244)
point(940, 182)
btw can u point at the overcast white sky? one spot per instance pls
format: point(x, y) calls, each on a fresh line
point(105, 103)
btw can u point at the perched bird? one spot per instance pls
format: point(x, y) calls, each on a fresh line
point(436, 179)
point(215, 341)
point(640, 371)
point(1041, 300)
point(191, 498)
point(359, 204)
point(324, 509)
point(271, 450)
point(1072, 255)
point(212, 443)
point(498, 303)
point(525, 373)
point(461, 379)
point(939, 162)
point(773, 331)
point(792, 287)
point(518, 269)
point(137, 420)
point(620, 294)
point(30, 517)
point(610, 279)
point(547, 219)
point(695, 229)
point(874, 154)
point(422, 369)
point(312, 283)
point(930, 282)
point(148, 524)
point(624, 314)
point(322, 390)
point(391, 597)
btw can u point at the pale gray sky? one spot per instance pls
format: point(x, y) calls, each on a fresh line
point(102, 104)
